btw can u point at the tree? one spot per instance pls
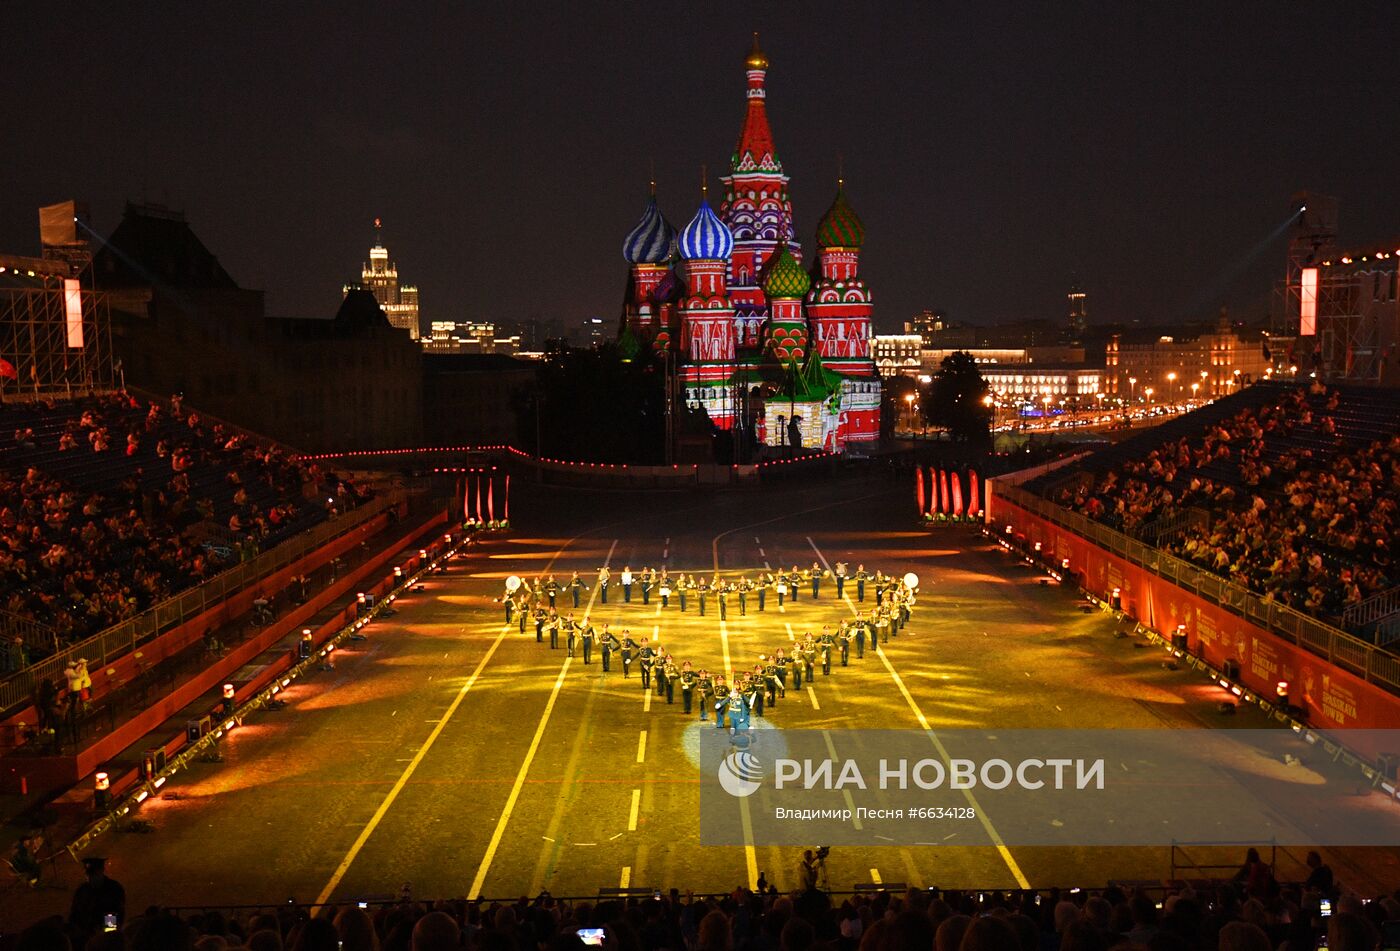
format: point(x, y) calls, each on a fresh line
point(595, 405)
point(956, 399)
point(893, 403)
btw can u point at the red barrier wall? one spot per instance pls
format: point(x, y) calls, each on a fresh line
point(1332, 698)
point(51, 772)
point(124, 668)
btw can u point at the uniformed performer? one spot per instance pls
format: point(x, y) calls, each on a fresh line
point(720, 700)
point(665, 593)
point(740, 706)
point(629, 650)
point(780, 661)
point(780, 586)
point(794, 581)
point(587, 637)
point(824, 647)
point(840, 580)
point(551, 588)
point(604, 575)
point(672, 673)
point(609, 643)
point(843, 640)
point(682, 586)
point(553, 625)
point(743, 590)
point(794, 663)
point(576, 586)
point(722, 596)
point(626, 580)
point(688, 681)
point(509, 601)
point(859, 625)
point(879, 582)
point(540, 619)
point(770, 680)
point(524, 612)
point(645, 658)
point(861, 578)
point(882, 626)
point(658, 670)
point(648, 578)
point(753, 688)
point(705, 685)
point(816, 580)
point(571, 631)
point(809, 657)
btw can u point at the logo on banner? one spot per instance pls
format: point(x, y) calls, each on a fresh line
point(740, 774)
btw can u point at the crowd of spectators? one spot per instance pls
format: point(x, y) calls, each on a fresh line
point(1234, 917)
point(81, 550)
point(1286, 507)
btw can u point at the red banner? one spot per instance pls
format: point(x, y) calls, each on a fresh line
point(919, 487)
point(943, 491)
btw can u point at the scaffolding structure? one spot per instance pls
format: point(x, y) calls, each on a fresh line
point(1355, 320)
point(55, 336)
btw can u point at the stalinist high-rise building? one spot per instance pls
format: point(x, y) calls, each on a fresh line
point(380, 276)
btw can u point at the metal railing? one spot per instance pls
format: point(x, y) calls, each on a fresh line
point(107, 645)
point(1377, 606)
point(1318, 637)
point(14, 626)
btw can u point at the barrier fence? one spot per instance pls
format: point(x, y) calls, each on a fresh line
point(107, 645)
point(1337, 647)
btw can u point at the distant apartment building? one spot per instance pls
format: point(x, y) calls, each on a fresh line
point(897, 354)
point(1204, 365)
point(447, 336)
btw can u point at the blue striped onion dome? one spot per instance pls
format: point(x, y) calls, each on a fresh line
point(649, 242)
point(706, 238)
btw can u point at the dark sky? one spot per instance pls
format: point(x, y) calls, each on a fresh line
point(993, 150)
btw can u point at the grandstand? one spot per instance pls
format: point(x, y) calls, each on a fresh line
point(1289, 491)
point(111, 504)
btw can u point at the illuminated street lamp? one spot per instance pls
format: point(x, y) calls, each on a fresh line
point(1149, 391)
point(909, 412)
point(1171, 378)
point(1132, 385)
point(1194, 388)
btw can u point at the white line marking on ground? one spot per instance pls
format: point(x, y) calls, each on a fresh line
point(614, 838)
point(408, 771)
point(626, 878)
point(813, 694)
point(791, 636)
point(642, 747)
point(646, 700)
point(636, 807)
point(546, 838)
point(514, 796)
point(938, 745)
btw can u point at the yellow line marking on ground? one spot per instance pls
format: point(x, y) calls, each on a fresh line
point(646, 700)
point(626, 878)
point(875, 876)
point(813, 694)
point(642, 747)
point(514, 796)
point(992, 833)
point(636, 808)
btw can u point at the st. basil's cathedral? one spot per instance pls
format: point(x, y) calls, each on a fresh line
point(759, 340)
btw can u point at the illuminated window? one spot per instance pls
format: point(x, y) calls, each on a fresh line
point(1307, 308)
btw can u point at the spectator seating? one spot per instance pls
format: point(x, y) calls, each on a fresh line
point(1290, 491)
point(111, 504)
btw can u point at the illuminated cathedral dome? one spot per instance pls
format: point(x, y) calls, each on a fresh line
point(706, 238)
point(785, 278)
point(650, 241)
point(840, 227)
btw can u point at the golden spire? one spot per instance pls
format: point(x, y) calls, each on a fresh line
point(756, 59)
point(704, 183)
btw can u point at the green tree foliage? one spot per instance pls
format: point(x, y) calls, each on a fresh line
point(592, 405)
point(955, 399)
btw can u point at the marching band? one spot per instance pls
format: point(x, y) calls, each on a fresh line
point(767, 681)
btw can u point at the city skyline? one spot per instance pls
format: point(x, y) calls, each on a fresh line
point(1124, 150)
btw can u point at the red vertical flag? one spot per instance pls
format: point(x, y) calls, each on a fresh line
point(974, 500)
point(478, 499)
point(943, 489)
point(932, 491)
point(957, 495)
point(491, 500)
point(919, 487)
point(506, 504)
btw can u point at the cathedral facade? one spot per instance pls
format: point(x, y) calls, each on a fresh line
point(761, 340)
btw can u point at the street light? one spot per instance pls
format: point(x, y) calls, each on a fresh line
point(1194, 388)
point(1171, 378)
point(1132, 385)
point(909, 412)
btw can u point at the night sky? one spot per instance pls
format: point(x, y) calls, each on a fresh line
point(993, 150)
